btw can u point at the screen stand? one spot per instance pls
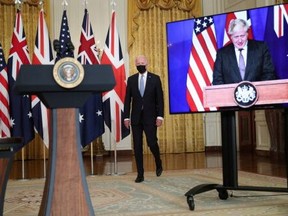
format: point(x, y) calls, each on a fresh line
point(229, 161)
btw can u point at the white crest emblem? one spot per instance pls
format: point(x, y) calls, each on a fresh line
point(245, 94)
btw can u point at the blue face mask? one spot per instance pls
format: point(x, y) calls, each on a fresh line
point(141, 68)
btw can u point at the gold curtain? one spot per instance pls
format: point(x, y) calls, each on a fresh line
point(147, 35)
point(281, 1)
point(30, 13)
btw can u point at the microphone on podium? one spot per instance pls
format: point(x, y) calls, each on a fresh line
point(70, 46)
point(57, 48)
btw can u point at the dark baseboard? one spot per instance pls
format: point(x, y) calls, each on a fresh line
point(272, 154)
point(109, 153)
point(120, 152)
point(213, 148)
point(262, 153)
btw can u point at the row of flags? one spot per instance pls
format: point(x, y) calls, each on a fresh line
point(23, 115)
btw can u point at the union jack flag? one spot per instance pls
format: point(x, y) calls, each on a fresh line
point(114, 99)
point(236, 15)
point(4, 97)
point(280, 19)
point(91, 114)
point(20, 105)
point(42, 55)
point(201, 62)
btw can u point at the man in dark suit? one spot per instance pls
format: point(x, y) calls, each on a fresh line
point(147, 113)
point(250, 57)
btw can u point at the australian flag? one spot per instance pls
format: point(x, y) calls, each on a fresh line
point(20, 105)
point(276, 38)
point(91, 114)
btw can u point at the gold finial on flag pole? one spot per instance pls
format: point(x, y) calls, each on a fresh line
point(85, 3)
point(18, 4)
point(113, 3)
point(41, 3)
point(65, 4)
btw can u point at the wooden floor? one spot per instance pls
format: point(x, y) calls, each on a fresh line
point(105, 165)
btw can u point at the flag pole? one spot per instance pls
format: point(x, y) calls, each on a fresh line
point(91, 157)
point(44, 161)
point(115, 159)
point(23, 166)
point(116, 173)
point(110, 134)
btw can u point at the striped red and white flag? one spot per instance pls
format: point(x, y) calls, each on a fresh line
point(201, 63)
point(42, 55)
point(4, 97)
point(114, 99)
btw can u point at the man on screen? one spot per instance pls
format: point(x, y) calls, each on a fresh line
point(243, 59)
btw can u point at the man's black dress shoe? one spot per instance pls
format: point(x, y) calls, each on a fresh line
point(139, 179)
point(159, 171)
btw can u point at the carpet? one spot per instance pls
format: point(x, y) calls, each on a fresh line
point(165, 195)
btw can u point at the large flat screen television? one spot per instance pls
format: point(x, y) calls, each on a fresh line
point(197, 52)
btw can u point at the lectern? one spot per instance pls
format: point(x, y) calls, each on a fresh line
point(8, 147)
point(66, 190)
point(263, 93)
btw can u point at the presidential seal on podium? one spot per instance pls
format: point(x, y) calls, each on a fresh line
point(68, 72)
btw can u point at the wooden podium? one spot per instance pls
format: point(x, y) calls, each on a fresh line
point(270, 92)
point(66, 190)
point(8, 147)
point(222, 96)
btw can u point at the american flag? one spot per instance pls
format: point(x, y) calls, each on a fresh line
point(20, 105)
point(4, 97)
point(114, 99)
point(42, 55)
point(91, 114)
point(66, 49)
point(201, 62)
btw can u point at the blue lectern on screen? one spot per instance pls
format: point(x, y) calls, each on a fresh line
point(191, 55)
